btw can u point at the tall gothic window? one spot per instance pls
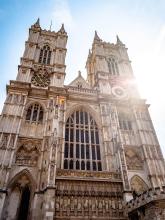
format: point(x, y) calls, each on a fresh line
point(82, 146)
point(125, 122)
point(35, 113)
point(113, 67)
point(45, 55)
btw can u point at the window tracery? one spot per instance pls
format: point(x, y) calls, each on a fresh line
point(125, 122)
point(35, 113)
point(113, 67)
point(82, 146)
point(45, 55)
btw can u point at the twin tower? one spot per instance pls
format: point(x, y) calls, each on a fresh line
point(87, 150)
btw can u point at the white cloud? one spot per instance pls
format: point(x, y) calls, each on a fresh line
point(62, 13)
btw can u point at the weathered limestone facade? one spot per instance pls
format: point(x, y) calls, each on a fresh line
point(80, 151)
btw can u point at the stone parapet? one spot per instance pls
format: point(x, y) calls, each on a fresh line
point(151, 195)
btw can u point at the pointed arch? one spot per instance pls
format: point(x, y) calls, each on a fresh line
point(34, 113)
point(113, 66)
point(23, 173)
point(82, 141)
point(138, 185)
point(45, 54)
point(20, 196)
point(86, 108)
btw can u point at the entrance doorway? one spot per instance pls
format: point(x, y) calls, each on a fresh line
point(24, 204)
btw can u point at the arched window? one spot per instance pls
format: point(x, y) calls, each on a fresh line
point(45, 55)
point(125, 121)
point(82, 146)
point(113, 67)
point(35, 113)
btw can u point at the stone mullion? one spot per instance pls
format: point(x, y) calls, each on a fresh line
point(31, 116)
point(90, 145)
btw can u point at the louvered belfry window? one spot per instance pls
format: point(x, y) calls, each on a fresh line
point(45, 55)
point(82, 145)
point(113, 67)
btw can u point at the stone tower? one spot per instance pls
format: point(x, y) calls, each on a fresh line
point(79, 151)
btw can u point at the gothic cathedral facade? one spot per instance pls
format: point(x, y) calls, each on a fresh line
point(87, 150)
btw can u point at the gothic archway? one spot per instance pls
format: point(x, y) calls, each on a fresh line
point(19, 199)
point(24, 204)
point(138, 185)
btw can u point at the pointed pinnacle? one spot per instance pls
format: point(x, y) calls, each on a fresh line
point(96, 37)
point(118, 40)
point(38, 21)
point(79, 73)
point(89, 53)
point(62, 29)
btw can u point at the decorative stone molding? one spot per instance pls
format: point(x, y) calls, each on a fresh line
point(149, 196)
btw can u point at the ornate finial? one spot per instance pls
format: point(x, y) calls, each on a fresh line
point(38, 21)
point(118, 40)
point(96, 37)
point(89, 53)
point(79, 73)
point(62, 29)
point(36, 24)
point(50, 26)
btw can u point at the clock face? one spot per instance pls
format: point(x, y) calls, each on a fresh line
point(40, 79)
point(119, 92)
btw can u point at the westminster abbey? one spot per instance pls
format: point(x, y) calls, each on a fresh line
point(87, 150)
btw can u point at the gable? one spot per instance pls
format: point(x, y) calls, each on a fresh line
point(79, 82)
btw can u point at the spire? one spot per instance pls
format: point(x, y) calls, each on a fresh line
point(118, 40)
point(96, 37)
point(89, 54)
point(37, 24)
point(79, 73)
point(62, 29)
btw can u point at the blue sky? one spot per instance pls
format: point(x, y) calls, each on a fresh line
point(139, 23)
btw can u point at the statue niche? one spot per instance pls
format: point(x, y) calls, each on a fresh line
point(27, 154)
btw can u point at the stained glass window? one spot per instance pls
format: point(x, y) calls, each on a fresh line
point(82, 146)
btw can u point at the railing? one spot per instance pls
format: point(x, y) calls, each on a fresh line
point(82, 90)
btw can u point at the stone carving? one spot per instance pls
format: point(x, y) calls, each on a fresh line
point(12, 140)
point(27, 154)
point(138, 185)
point(4, 141)
point(133, 159)
point(87, 199)
point(73, 173)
